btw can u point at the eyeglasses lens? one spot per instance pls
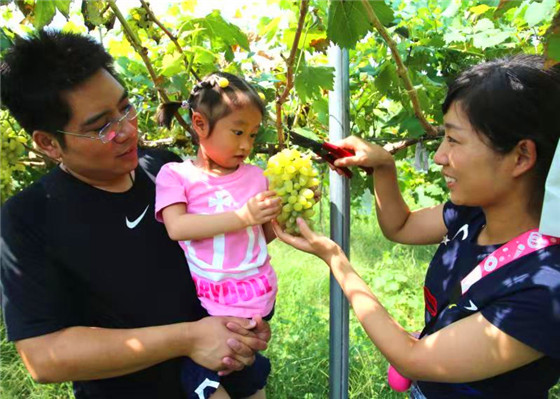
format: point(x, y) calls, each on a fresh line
point(110, 131)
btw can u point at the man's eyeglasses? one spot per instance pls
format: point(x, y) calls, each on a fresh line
point(109, 131)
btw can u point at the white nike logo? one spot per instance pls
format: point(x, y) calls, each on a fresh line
point(134, 223)
point(471, 306)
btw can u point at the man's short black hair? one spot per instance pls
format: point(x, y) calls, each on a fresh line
point(37, 70)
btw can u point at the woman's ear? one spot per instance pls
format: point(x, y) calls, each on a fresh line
point(48, 144)
point(525, 154)
point(200, 124)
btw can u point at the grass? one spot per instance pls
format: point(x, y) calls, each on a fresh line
point(299, 350)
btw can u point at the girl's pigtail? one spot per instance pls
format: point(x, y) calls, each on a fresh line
point(166, 112)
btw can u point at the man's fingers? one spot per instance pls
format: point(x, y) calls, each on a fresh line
point(256, 344)
point(231, 365)
point(239, 348)
point(242, 326)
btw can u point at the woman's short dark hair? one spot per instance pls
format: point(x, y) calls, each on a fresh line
point(511, 99)
point(209, 98)
point(36, 71)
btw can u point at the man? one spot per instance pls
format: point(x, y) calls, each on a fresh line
point(93, 289)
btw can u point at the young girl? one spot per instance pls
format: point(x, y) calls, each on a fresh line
point(492, 318)
point(219, 209)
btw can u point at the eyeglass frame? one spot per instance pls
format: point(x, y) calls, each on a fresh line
point(118, 121)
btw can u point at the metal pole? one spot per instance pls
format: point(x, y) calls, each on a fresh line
point(340, 226)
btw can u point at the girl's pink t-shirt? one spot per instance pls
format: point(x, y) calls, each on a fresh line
point(232, 271)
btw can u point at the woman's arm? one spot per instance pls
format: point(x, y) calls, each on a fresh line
point(85, 353)
point(182, 225)
point(445, 356)
point(449, 355)
point(397, 222)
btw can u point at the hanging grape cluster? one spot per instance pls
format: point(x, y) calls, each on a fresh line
point(12, 150)
point(292, 175)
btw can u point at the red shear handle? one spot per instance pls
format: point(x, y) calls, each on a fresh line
point(330, 158)
point(339, 152)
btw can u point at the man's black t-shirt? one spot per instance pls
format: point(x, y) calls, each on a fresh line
point(74, 255)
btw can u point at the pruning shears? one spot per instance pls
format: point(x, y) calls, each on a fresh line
point(327, 151)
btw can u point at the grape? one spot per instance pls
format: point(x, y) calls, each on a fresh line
point(12, 170)
point(292, 175)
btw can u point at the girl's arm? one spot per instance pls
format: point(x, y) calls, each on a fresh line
point(467, 350)
point(397, 222)
point(182, 225)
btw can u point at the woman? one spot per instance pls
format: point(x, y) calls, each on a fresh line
point(492, 336)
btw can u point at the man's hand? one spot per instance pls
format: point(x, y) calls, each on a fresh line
point(260, 209)
point(258, 328)
point(210, 341)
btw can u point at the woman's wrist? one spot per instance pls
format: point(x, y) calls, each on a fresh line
point(387, 162)
point(331, 252)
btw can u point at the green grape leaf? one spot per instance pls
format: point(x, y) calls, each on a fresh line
point(504, 6)
point(91, 11)
point(490, 38)
point(479, 9)
point(306, 133)
point(269, 27)
point(5, 41)
point(310, 80)
point(453, 36)
point(451, 10)
point(386, 77)
point(553, 47)
point(203, 55)
point(63, 6)
point(171, 64)
point(266, 135)
point(43, 13)
point(348, 21)
point(536, 12)
point(321, 107)
point(218, 27)
point(412, 126)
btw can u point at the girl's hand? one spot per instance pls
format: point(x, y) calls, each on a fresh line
point(309, 241)
point(365, 154)
point(261, 208)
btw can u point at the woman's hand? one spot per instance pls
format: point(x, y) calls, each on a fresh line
point(309, 241)
point(365, 154)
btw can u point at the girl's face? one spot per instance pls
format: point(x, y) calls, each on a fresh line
point(475, 174)
point(231, 140)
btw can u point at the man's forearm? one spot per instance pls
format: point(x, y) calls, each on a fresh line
point(85, 353)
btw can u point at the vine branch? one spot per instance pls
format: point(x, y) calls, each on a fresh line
point(397, 146)
point(143, 52)
point(171, 37)
point(281, 98)
point(401, 69)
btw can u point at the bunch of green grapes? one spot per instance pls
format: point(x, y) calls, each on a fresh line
point(292, 175)
point(11, 151)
